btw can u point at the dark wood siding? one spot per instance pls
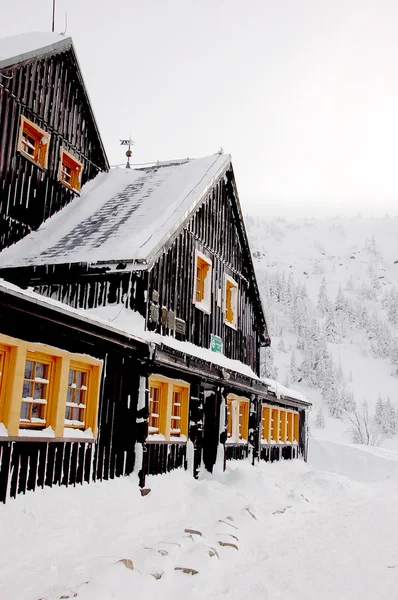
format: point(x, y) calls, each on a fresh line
point(49, 92)
point(213, 230)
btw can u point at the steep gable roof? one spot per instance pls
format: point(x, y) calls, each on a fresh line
point(124, 215)
point(26, 47)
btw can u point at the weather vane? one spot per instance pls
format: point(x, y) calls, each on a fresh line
point(129, 153)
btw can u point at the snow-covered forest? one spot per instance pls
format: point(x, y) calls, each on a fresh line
point(330, 293)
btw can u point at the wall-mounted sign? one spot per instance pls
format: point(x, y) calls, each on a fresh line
point(215, 343)
point(180, 326)
point(153, 313)
point(171, 320)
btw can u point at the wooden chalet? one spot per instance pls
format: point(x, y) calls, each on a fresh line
point(139, 346)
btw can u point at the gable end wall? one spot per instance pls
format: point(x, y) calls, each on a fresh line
point(48, 91)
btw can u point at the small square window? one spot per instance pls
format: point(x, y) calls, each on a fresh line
point(230, 302)
point(70, 171)
point(168, 408)
point(35, 391)
point(33, 142)
point(202, 286)
point(76, 399)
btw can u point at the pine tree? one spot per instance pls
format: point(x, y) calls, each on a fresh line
point(389, 418)
point(379, 411)
point(323, 300)
point(339, 304)
point(267, 365)
point(331, 331)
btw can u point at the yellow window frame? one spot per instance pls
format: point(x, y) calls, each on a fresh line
point(39, 144)
point(168, 389)
point(89, 396)
point(16, 353)
point(231, 306)
point(265, 423)
point(4, 361)
point(37, 358)
point(203, 266)
point(70, 180)
point(237, 418)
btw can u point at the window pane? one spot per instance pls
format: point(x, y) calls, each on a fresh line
point(37, 411)
point(27, 389)
point(79, 379)
point(69, 397)
point(39, 390)
point(24, 410)
point(71, 377)
point(29, 369)
point(41, 371)
point(68, 413)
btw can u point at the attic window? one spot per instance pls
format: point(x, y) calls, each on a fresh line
point(230, 302)
point(202, 286)
point(33, 142)
point(70, 171)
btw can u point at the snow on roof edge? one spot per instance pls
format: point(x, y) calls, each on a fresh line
point(58, 306)
point(29, 48)
point(282, 391)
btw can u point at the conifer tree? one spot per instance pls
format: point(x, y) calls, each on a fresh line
point(323, 300)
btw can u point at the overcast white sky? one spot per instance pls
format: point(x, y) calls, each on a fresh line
point(302, 93)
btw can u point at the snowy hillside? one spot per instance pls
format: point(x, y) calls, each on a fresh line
point(330, 291)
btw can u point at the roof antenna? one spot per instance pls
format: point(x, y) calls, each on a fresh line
point(129, 153)
point(53, 25)
point(66, 24)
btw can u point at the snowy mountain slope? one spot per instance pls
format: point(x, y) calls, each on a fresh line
point(360, 334)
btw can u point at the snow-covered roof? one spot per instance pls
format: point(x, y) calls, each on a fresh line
point(18, 48)
point(125, 215)
point(282, 391)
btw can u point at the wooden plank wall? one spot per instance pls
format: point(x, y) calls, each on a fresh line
point(24, 465)
point(85, 288)
point(212, 230)
point(49, 92)
point(28, 465)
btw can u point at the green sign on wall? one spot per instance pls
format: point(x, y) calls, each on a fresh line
point(216, 343)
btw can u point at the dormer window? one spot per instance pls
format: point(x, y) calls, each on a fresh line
point(33, 142)
point(202, 287)
point(70, 171)
point(230, 302)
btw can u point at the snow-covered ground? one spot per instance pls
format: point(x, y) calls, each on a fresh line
point(294, 532)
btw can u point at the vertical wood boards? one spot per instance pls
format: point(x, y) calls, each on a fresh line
point(49, 92)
